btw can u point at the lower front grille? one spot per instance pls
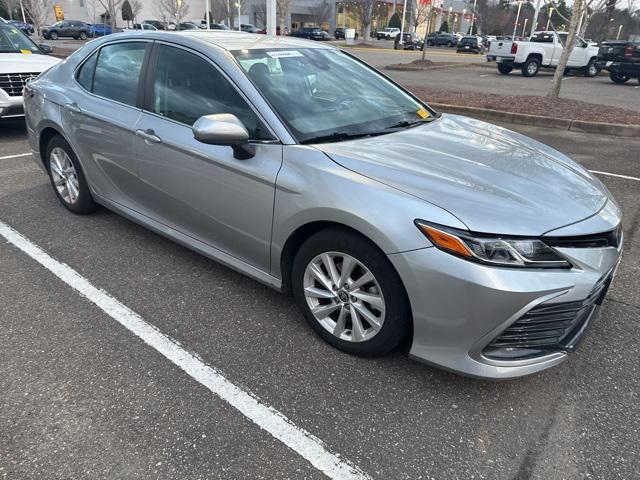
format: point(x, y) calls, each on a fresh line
point(547, 328)
point(13, 83)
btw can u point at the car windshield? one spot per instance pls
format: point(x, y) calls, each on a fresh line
point(12, 40)
point(322, 93)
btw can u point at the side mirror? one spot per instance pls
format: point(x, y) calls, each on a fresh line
point(224, 129)
point(45, 48)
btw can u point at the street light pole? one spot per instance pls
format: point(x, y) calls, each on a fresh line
point(619, 30)
point(272, 29)
point(473, 18)
point(517, 19)
point(524, 29)
point(404, 12)
point(534, 22)
point(206, 12)
point(549, 18)
point(238, 5)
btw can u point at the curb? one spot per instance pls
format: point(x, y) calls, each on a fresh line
point(614, 129)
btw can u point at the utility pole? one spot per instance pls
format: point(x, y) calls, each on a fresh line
point(473, 17)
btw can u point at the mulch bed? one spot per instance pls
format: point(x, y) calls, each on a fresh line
point(533, 105)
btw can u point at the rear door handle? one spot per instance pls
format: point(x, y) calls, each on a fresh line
point(72, 107)
point(148, 135)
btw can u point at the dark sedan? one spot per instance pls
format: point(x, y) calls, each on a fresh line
point(311, 33)
point(470, 44)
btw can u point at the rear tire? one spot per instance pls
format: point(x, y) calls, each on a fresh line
point(505, 69)
point(617, 77)
point(531, 67)
point(83, 36)
point(362, 336)
point(67, 178)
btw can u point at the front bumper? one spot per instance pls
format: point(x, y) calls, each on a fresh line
point(10, 107)
point(460, 307)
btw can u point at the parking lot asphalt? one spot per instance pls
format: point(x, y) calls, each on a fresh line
point(81, 397)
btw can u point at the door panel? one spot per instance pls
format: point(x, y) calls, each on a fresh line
point(100, 117)
point(204, 192)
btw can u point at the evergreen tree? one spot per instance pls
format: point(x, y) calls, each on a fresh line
point(394, 21)
point(127, 12)
point(444, 27)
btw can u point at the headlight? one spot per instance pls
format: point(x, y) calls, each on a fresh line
point(493, 250)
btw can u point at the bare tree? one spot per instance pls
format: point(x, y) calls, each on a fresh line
point(136, 8)
point(283, 7)
point(111, 8)
point(10, 6)
point(576, 14)
point(260, 12)
point(421, 14)
point(363, 10)
point(320, 12)
point(39, 12)
point(175, 10)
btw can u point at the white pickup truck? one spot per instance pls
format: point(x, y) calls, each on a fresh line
point(543, 49)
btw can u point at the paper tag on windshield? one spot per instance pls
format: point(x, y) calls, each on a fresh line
point(423, 113)
point(26, 52)
point(284, 53)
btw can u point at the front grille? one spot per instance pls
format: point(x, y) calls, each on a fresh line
point(13, 83)
point(547, 328)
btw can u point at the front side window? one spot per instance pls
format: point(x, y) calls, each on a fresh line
point(187, 87)
point(118, 71)
point(320, 92)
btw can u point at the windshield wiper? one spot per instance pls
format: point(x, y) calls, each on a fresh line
point(409, 123)
point(338, 136)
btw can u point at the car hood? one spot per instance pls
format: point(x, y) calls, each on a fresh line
point(492, 179)
point(21, 63)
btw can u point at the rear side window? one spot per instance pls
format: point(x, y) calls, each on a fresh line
point(118, 70)
point(85, 73)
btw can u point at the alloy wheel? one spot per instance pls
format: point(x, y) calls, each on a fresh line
point(64, 175)
point(344, 296)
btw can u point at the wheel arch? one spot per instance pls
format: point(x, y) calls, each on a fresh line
point(47, 132)
point(534, 56)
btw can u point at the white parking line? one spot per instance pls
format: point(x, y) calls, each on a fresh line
point(300, 441)
point(615, 175)
point(7, 157)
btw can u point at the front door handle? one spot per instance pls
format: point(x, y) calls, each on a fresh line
point(148, 135)
point(72, 107)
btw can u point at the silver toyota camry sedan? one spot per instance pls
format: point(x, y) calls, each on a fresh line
point(482, 251)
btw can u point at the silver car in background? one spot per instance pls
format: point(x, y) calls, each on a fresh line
point(482, 251)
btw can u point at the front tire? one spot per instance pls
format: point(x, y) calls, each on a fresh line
point(505, 69)
point(53, 35)
point(83, 36)
point(350, 294)
point(531, 67)
point(67, 177)
point(591, 70)
point(617, 77)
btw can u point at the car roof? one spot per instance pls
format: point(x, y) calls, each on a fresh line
point(234, 40)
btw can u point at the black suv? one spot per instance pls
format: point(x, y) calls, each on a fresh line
point(470, 44)
point(410, 41)
point(67, 28)
point(621, 59)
